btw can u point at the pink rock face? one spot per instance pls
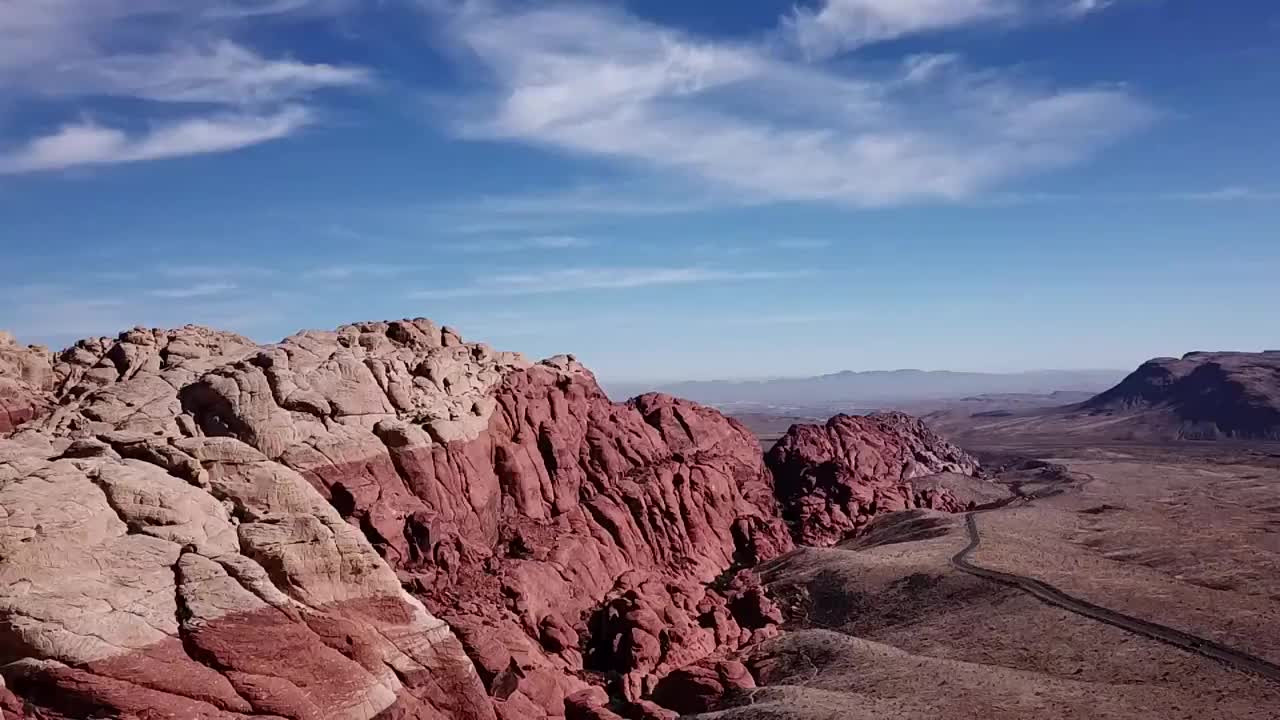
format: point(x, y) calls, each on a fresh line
point(832, 479)
point(380, 521)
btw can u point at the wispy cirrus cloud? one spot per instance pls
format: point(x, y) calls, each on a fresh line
point(596, 278)
point(349, 271)
point(193, 291)
point(1080, 8)
point(747, 121)
point(87, 143)
point(221, 72)
point(537, 242)
point(59, 314)
point(213, 270)
point(836, 26)
point(594, 200)
point(801, 243)
point(198, 90)
point(1228, 193)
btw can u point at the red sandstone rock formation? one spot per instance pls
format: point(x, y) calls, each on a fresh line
point(833, 479)
point(232, 527)
point(387, 522)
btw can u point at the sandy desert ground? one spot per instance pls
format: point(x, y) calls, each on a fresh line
point(1187, 536)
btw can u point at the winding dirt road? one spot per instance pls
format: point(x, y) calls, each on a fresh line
point(1053, 596)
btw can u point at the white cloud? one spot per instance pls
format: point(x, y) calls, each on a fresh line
point(86, 143)
point(751, 124)
point(212, 271)
point(923, 67)
point(520, 211)
point(596, 278)
point(801, 243)
point(839, 25)
point(559, 242)
point(1084, 7)
point(260, 8)
point(348, 271)
point(193, 291)
point(222, 73)
point(157, 53)
point(1231, 192)
point(539, 242)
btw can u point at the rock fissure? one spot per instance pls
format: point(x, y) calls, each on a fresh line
point(191, 646)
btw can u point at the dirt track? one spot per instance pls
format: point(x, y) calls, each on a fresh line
point(1053, 596)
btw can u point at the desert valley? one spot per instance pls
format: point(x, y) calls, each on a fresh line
point(387, 521)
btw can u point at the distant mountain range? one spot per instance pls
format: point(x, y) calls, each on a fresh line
point(873, 388)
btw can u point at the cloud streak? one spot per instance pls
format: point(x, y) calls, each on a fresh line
point(193, 90)
point(350, 271)
point(193, 291)
point(745, 121)
point(597, 278)
point(221, 73)
point(91, 144)
point(1228, 194)
point(537, 242)
point(838, 25)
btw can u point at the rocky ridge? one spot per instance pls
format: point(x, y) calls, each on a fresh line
point(1202, 395)
point(383, 521)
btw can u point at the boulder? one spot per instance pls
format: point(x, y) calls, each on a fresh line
point(703, 686)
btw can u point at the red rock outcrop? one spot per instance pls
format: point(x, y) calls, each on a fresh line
point(207, 528)
point(523, 502)
point(833, 479)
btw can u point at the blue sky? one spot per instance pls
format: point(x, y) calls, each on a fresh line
point(669, 190)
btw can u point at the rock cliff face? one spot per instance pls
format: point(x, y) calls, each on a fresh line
point(381, 521)
point(833, 479)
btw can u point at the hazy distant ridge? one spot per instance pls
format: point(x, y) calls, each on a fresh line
point(877, 386)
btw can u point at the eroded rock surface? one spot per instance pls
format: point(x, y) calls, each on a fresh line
point(385, 521)
point(235, 591)
point(380, 521)
point(835, 478)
